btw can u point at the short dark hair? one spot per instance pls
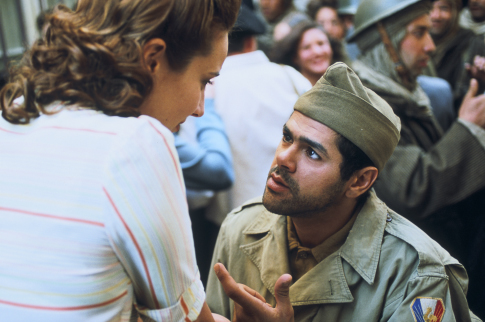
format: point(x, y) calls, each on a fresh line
point(236, 41)
point(353, 158)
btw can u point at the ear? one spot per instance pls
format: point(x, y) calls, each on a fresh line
point(361, 181)
point(154, 51)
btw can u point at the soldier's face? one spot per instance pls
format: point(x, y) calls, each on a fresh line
point(441, 18)
point(304, 179)
point(417, 45)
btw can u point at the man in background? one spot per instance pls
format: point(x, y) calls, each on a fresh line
point(473, 16)
point(455, 47)
point(435, 179)
point(254, 97)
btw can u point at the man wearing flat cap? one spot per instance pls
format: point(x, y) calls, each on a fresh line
point(351, 257)
point(254, 98)
point(434, 178)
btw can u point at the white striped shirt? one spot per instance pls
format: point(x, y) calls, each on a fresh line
point(94, 221)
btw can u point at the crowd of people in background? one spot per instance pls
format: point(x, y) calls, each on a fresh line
point(312, 40)
point(423, 59)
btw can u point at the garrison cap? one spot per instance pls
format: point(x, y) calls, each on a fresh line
point(340, 101)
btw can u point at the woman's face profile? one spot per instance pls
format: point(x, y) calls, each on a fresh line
point(178, 94)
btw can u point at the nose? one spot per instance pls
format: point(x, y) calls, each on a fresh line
point(434, 14)
point(317, 49)
point(429, 46)
point(286, 158)
point(199, 111)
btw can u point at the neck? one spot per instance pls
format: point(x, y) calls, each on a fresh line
point(313, 78)
point(314, 230)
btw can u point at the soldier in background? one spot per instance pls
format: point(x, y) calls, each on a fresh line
point(435, 179)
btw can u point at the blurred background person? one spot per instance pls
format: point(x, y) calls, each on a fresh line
point(455, 47)
point(308, 49)
point(434, 178)
point(206, 162)
point(273, 12)
point(346, 11)
point(254, 97)
point(324, 12)
point(284, 27)
point(473, 16)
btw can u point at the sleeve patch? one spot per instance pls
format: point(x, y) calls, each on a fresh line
point(427, 309)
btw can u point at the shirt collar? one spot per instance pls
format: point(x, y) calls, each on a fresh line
point(243, 60)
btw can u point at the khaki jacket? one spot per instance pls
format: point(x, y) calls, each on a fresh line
point(385, 264)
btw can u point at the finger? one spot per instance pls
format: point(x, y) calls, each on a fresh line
point(282, 294)
point(231, 288)
point(472, 90)
point(253, 292)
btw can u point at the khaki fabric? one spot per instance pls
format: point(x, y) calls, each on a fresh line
point(385, 263)
point(436, 179)
point(302, 259)
point(428, 170)
point(340, 101)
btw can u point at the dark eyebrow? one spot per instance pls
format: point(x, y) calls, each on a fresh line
point(421, 28)
point(315, 145)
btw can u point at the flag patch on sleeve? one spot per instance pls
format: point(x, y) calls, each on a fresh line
point(427, 309)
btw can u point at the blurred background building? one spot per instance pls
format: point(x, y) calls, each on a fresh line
point(18, 28)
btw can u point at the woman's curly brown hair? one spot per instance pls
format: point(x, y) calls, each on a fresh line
point(92, 57)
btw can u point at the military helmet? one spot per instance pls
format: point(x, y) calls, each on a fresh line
point(347, 7)
point(370, 12)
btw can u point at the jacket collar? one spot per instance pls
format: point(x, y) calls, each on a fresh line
point(326, 282)
point(402, 101)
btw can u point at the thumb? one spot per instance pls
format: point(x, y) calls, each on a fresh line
point(472, 90)
point(282, 294)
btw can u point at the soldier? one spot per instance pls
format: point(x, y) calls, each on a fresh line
point(351, 257)
point(433, 178)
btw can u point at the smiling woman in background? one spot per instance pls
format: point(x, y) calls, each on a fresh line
point(93, 215)
point(308, 49)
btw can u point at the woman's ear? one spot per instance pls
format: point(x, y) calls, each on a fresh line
point(154, 51)
point(361, 181)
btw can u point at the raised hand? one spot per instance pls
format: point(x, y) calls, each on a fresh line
point(473, 107)
point(249, 305)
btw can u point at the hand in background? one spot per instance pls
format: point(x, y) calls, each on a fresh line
point(249, 305)
point(477, 70)
point(472, 108)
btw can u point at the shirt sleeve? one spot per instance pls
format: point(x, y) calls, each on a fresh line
point(148, 225)
point(208, 163)
point(435, 297)
point(416, 183)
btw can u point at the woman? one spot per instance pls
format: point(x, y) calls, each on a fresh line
point(308, 49)
point(93, 217)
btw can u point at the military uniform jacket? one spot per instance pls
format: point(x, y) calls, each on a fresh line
point(387, 270)
point(436, 179)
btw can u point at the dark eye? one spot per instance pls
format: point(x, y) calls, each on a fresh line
point(286, 138)
point(312, 154)
point(418, 34)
